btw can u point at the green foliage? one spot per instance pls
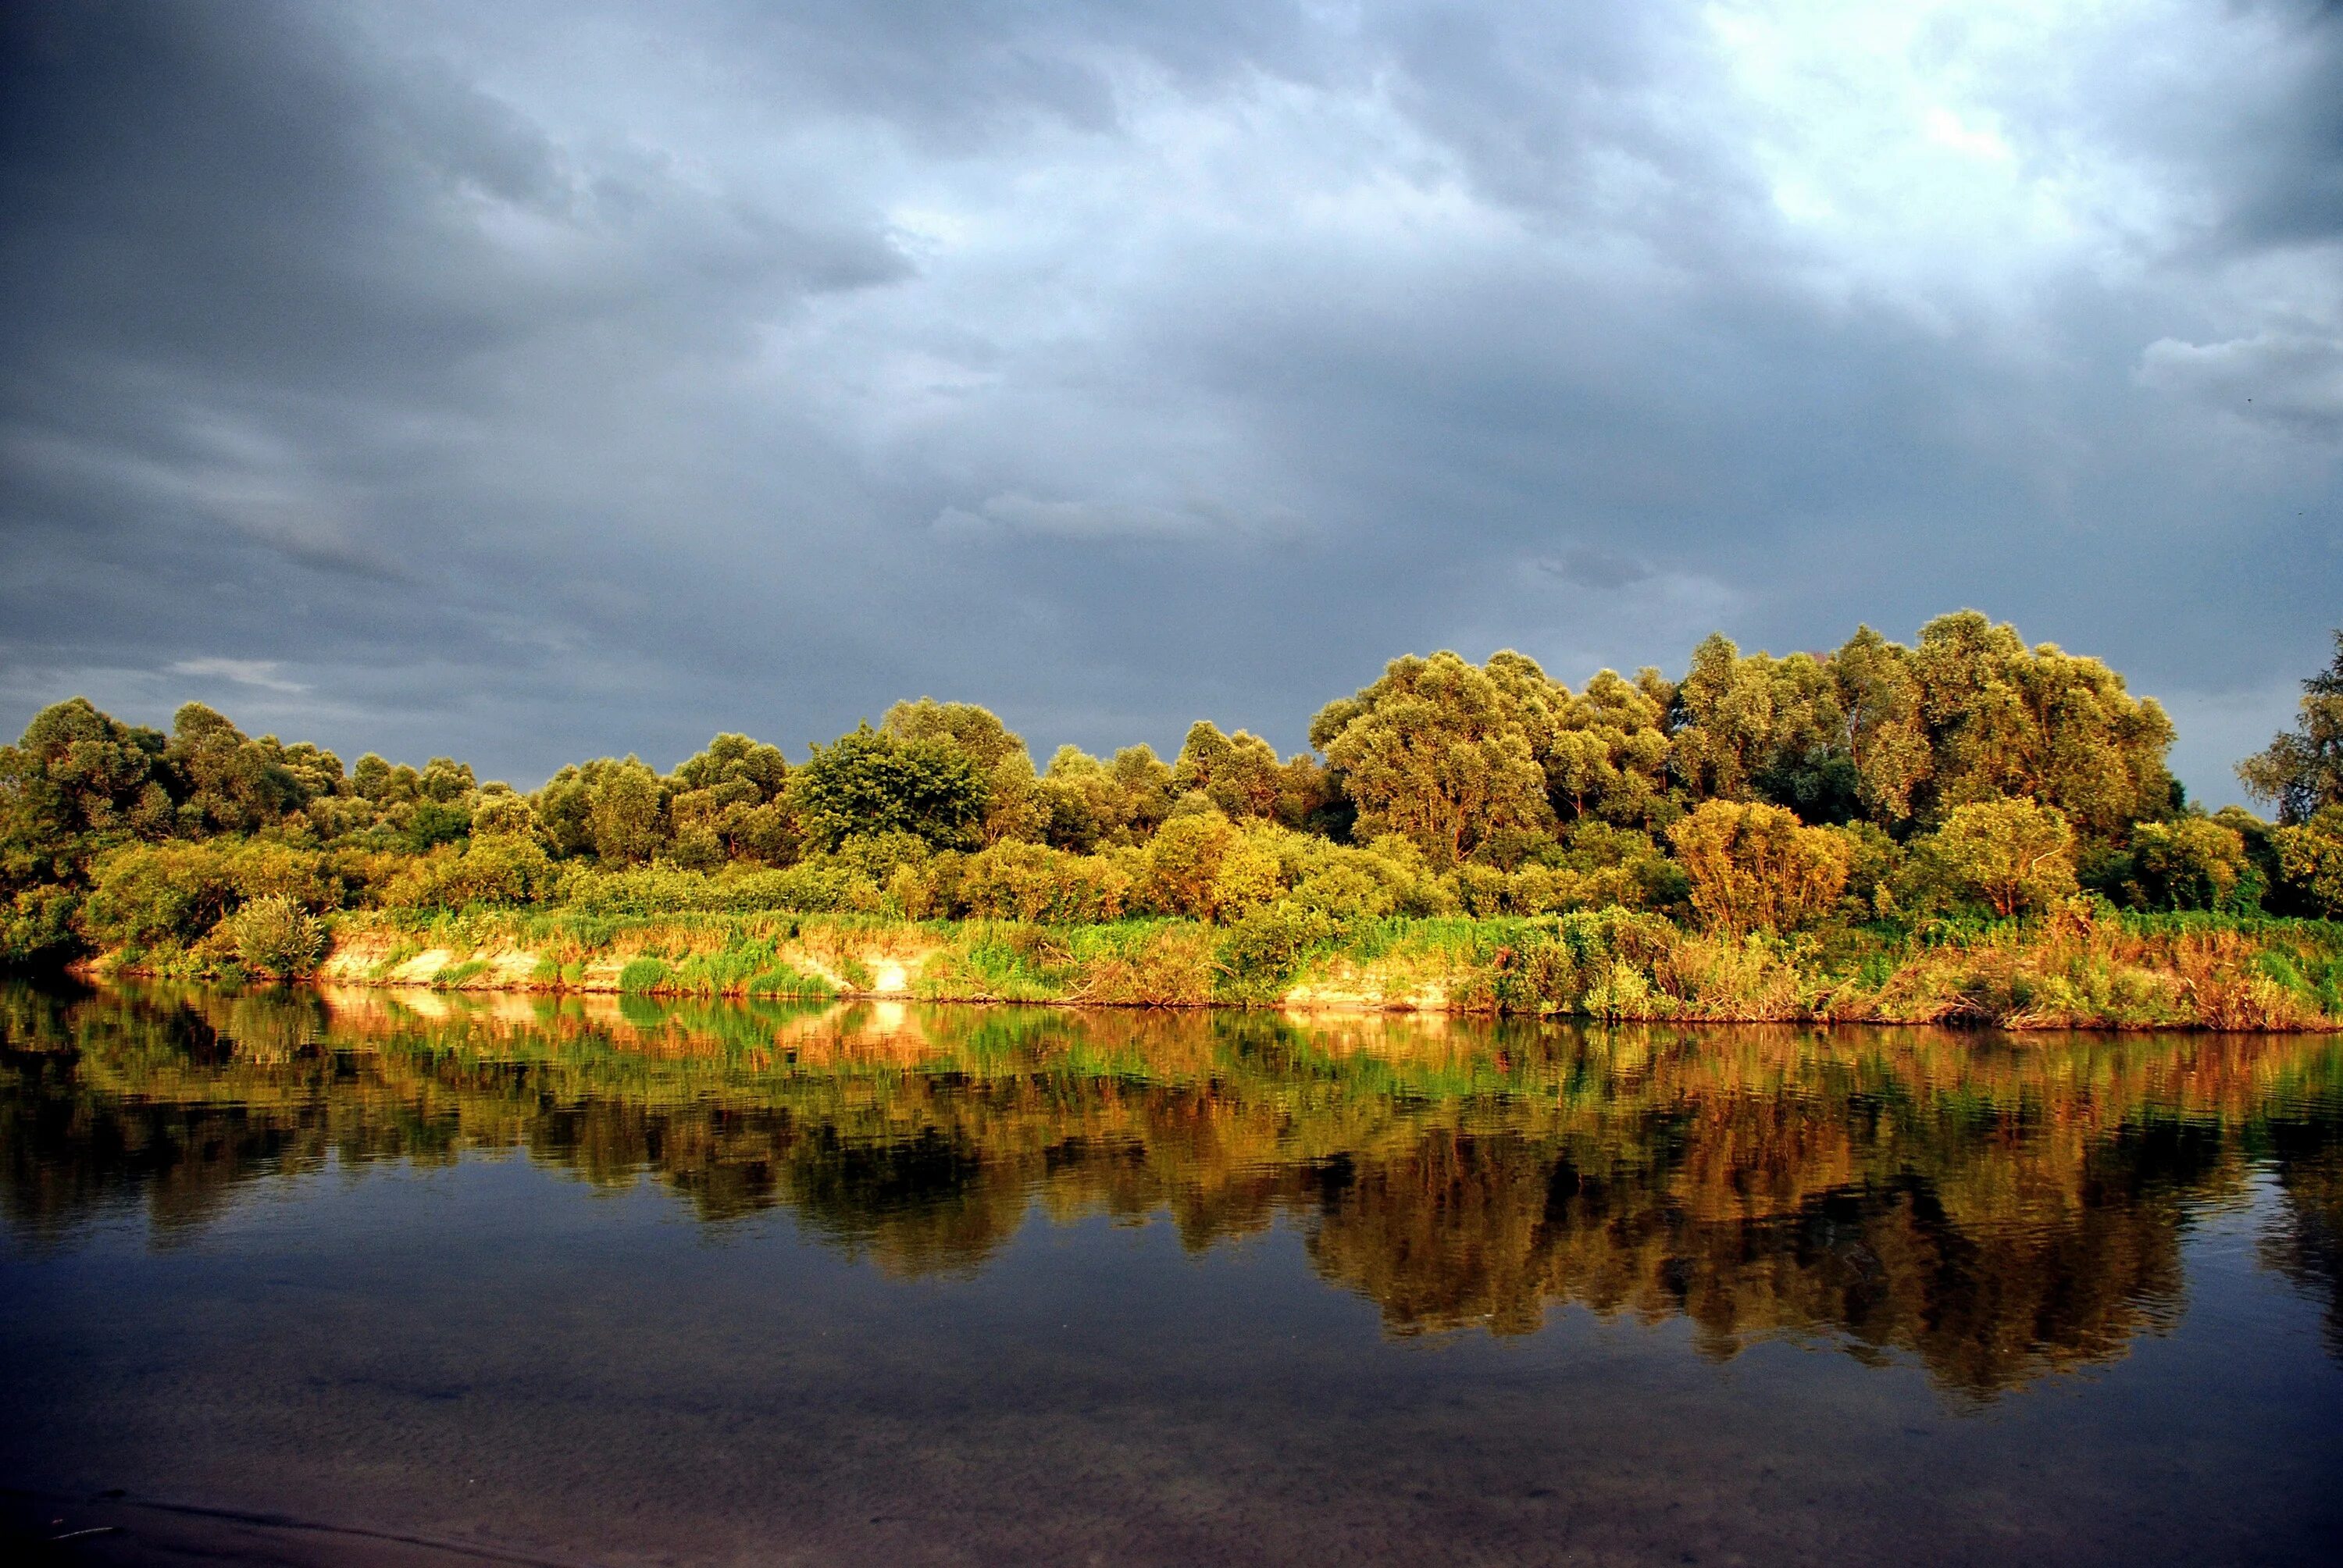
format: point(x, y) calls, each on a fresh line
point(2013, 857)
point(1752, 868)
point(275, 936)
point(869, 781)
point(1968, 776)
point(1012, 807)
point(148, 895)
point(2301, 771)
point(643, 974)
point(2191, 863)
point(2310, 861)
point(1439, 751)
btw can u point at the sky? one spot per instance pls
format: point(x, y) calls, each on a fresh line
point(530, 382)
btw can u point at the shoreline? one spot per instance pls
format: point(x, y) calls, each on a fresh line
point(1609, 965)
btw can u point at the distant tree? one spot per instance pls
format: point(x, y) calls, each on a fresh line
point(2301, 771)
point(614, 809)
point(726, 804)
point(2192, 862)
point(2006, 721)
point(1607, 758)
point(871, 782)
point(1438, 750)
point(1238, 773)
point(78, 784)
point(998, 752)
point(2310, 861)
point(230, 784)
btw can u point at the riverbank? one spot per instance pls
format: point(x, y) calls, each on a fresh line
point(2083, 968)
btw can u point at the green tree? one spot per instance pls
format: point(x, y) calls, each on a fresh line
point(228, 783)
point(726, 803)
point(871, 782)
point(2192, 862)
point(2310, 861)
point(614, 809)
point(2301, 771)
point(78, 784)
point(2007, 721)
point(1437, 750)
point(1010, 811)
point(1608, 756)
point(1239, 773)
point(2013, 856)
point(1754, 867)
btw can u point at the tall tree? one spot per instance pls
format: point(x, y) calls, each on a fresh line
point(871, 782)
point(2301, 771)
point(1437, 750)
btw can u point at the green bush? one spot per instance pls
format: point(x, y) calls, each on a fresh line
point(643, 974)
point(275, 936)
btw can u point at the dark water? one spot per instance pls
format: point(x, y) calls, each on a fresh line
point(353, 1278)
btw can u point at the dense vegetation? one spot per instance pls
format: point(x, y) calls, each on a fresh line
point(1964, 780)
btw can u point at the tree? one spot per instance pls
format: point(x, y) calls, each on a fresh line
point(2301, 771)
point(1238, 773)
point(2310, 861)
point(2007, 721)
point(2011, 855)
point(76, 784)
point(1754, 867)
point(998, 752)
point(2190, 863)
point(726, 803)
point(1607, 759)
point(615, 808)
point(1436, 750)
point(871, 782)
point(229, 784)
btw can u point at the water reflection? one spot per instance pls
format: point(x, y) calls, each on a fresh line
point(1996, 1209)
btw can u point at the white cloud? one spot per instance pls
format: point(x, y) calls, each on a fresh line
point(261, 674)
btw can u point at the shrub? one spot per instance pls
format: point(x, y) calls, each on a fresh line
point(2195, 863)
point(2011, 856)
point(2310, 861)
point(492, 871)
point(1014, 880)
point(1264, 947)
point(1755, 868)
point(275, 936)
point(643, 974)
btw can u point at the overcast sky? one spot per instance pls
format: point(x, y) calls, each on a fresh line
point(527, 382)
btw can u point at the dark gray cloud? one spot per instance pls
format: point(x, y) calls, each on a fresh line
point(528, 381)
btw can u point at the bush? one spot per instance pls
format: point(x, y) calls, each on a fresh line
point(1264, 949)
point(490, 871)
point(645, 974)
point(1755, 868)
point(2195, 863)
point(275, 936)
point(2310, 861)
point(1013, 880)
point(2014, 856)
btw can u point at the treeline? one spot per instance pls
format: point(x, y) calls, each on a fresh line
point(1967, 774)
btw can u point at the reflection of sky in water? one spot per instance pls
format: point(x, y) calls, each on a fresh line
point(964, 1284)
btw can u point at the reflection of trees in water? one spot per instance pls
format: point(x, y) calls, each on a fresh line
point(2309, 1247)
point(1995, 1209)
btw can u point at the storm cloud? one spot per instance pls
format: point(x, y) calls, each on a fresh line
point(527, 382)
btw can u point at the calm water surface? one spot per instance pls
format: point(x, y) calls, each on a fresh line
point(358, 1277)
